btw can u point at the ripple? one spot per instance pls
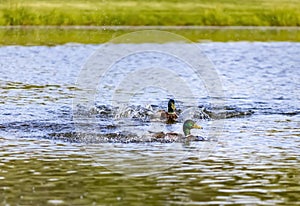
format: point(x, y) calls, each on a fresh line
point(254, 160)
point(55, 202)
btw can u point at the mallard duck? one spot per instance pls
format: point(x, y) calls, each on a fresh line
point(188, 125)
point(170, 116)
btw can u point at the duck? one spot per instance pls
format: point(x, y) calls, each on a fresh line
point(188, 125)
point(169, 116)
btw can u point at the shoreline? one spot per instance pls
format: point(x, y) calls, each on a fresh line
point(58, 35)
point(83, 27)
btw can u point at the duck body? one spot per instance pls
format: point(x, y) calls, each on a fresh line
point(174, 137)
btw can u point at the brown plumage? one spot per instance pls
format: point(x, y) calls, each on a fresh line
point(188, 125)
point(170, 116)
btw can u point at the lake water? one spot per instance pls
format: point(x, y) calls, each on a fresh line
point(251, 156)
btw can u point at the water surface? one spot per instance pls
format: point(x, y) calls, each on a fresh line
point(254, 161)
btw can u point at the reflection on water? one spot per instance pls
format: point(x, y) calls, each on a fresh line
point(254, 161)
point(240, 171)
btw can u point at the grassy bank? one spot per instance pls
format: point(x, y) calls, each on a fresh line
point(151, 12)
point(54, 36)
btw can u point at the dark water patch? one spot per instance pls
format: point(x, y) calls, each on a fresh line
point(289, 111)
point(227, 112)
point(36, 126)
point(20, 85)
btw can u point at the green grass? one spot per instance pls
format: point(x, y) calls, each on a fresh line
point(144, 13)
point(151, 12)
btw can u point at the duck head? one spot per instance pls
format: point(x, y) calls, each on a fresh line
point(171, 106)
point(188, 125)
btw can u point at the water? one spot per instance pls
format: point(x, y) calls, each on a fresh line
point(254, 160)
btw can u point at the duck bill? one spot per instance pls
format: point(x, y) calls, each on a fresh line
point(197, 126)
point(173, 107)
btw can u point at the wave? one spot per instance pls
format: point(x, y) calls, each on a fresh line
point(127, 124)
